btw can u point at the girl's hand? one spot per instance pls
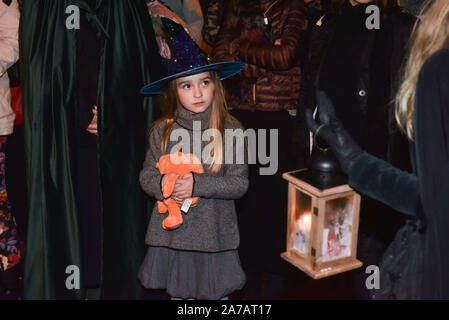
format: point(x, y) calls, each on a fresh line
point(183, 188)
point(92, 128)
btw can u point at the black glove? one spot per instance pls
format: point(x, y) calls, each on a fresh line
point(332, 131)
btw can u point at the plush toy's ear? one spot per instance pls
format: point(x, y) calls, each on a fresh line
point(157, 165)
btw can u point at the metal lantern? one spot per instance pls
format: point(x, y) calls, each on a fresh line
point(322, 226)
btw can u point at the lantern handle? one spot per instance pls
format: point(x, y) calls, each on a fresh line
point(315, 142)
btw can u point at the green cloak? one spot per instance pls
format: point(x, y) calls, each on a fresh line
point(128, 62)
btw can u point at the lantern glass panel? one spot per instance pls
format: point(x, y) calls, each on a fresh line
point(337, 229)
point(302, 223)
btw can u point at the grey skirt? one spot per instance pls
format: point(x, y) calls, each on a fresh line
point(192, 274)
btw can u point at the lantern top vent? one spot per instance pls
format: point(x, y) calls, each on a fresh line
point(319, 184)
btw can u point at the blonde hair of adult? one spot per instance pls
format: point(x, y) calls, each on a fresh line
point(169, 102)
point(429, 35)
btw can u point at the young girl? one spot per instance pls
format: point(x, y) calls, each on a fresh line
point(198, 260)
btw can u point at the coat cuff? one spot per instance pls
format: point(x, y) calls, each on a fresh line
point(160, 186)
point(194, 189)
point(193, 186)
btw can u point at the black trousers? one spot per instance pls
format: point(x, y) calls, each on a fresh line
point(88, 53)
point(88, 199)
point(262, 211)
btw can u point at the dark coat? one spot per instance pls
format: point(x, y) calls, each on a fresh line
point(377, 80)
point(51, 122)
point(374, 80)
point(426, 190)
point(271, 80)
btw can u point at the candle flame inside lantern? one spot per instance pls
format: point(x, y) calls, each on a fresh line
point(305, 222)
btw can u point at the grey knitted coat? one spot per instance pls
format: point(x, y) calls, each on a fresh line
point(211, 226)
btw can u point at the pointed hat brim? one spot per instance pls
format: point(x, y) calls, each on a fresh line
point(224, 70)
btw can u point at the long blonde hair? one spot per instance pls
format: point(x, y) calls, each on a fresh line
point(429, 35)
point(169, 101)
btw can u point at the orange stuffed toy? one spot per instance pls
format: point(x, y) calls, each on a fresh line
point(180, 164)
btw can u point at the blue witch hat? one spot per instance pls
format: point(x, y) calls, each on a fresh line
point(188, 59)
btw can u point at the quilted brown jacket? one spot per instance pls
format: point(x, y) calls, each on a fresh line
point(271, 80)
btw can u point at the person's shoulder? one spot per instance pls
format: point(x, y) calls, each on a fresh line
point(157, 128)
point(232, 123)
point(433, 77)
point(432, 95)
point(437, 64)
